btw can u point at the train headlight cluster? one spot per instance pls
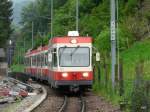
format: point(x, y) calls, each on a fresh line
point(64, 75)
point(85, 74)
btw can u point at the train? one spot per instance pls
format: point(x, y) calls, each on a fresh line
point(66, 62)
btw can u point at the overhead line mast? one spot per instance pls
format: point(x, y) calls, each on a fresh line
point(113, 41)
point(51, 19)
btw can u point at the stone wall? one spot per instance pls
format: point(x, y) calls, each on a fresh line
point(3, 68)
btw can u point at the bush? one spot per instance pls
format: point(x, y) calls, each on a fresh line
point(103, 40)
point(139, 99)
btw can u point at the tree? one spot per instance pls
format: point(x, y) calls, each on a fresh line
point(5, 21)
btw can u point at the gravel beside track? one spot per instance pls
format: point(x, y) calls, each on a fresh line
point(51, 103)
point(96, 103)
point(93, 103)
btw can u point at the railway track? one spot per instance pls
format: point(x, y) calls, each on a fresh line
point(57, 101)
point(83, 104)
point(73, 104)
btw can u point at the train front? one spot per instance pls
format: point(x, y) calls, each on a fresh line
point(74, 54)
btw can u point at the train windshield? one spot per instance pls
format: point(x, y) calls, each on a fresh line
point(74, 56)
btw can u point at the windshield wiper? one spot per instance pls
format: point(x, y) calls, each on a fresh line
point(74, 50)
point(63, 48)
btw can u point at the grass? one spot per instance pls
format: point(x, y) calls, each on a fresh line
point(11, 107)
point(17, 68)
point(131, 57)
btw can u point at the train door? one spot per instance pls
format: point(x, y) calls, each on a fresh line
point(49, 56)
point(41, 61)
point(46, 65)
point(42, 66)
point(52, 58)
point(38, 65)
point(54, 63)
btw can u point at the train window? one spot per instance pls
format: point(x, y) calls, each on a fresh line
point(34, 61)
point(41, 57)
point(46, 59)
point(74, 57)
point(29, 61)
point(38, 60)
point(26, 60)
point(54, 58)
point(42, 60)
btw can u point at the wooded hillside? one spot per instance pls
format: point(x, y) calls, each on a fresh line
point(5, 21)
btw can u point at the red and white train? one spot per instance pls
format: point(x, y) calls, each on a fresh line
point(65, 62)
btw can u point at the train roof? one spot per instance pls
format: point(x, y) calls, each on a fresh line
point(67, 39)
point(59, 40)
point(39, 49)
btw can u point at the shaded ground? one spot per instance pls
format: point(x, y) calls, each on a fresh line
point(94, 103)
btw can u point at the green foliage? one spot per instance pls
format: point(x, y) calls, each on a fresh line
point(5, 21)
point(139, 99)
point(17, 68)
point(94, 20)
point(103, 39)
point(139, 51)
point(131, 6)
point(41, 41)
point(94, 17)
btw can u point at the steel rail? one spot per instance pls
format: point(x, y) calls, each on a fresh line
point(64, 105)
point(83, 105)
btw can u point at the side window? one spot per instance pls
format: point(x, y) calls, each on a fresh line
point(46, 59)
point(25, 61)
point(38, 60)
point(41, 57)
point(54, 58)
point(33, 61)
point(30, 61)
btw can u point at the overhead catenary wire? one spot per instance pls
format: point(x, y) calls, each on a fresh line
point(77, 15)
point(51, 19)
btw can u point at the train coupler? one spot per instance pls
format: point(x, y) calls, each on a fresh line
point(74, 88)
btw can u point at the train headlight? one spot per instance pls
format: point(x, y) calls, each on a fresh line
point(64, 75)
point(85, 74)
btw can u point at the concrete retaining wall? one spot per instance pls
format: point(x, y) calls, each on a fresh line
point(3, 68)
